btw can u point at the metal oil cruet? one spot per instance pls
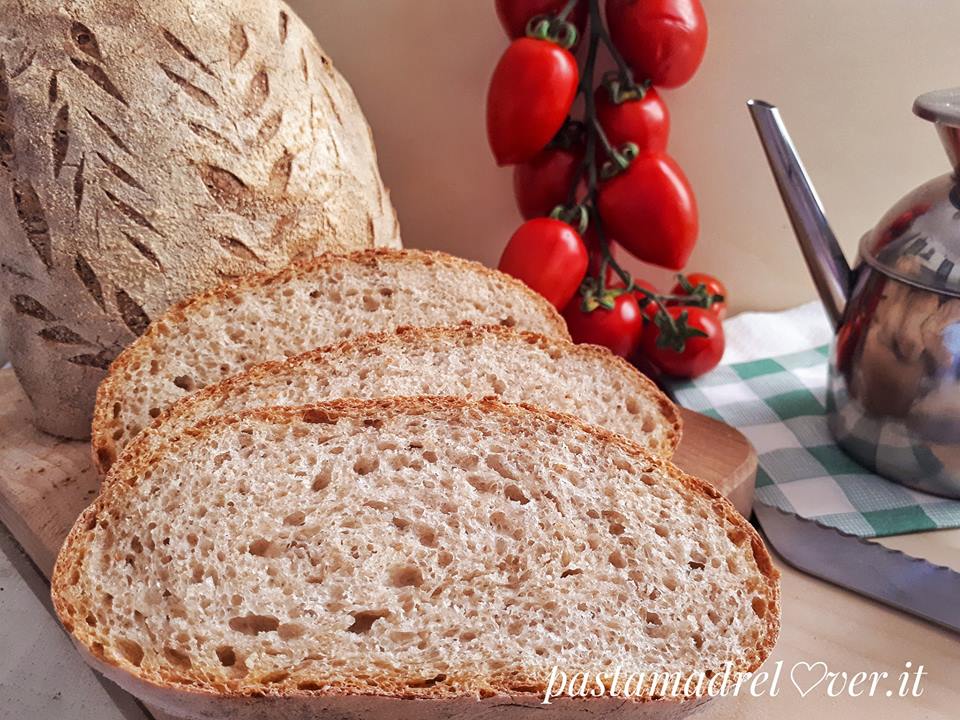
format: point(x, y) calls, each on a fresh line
point(893, 393)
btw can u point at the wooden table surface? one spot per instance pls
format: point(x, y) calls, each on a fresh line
point(821, 623)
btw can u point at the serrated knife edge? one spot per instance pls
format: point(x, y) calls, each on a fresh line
point(890, 576)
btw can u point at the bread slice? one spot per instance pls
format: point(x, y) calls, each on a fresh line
point(309, 304)
point(335, 557)
point(583, 380)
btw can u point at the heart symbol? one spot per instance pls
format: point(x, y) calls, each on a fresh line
point(808, 668)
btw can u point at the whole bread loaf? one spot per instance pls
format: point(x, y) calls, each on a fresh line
point(308, 305)
point(149, 150)
point(409, 558)
point(583, 380)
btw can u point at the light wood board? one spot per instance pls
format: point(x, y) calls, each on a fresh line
point(44, 483)
point(719, 454)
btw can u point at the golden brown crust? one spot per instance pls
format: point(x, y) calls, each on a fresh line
point(309, 705)
point(102, 445)
point(124, 474)
point(228, 152)
point(642, 385)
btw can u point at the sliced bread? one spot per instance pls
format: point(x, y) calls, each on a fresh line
point(583, 380)
point(343, 556)
point(309, 304)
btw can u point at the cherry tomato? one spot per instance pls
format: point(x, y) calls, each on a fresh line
point(619, 329)
point(516, 14)
point(662, 40)
point(549, 256)
point(531, 91)
point(714, 287)
point(651, 211)
point(699, 355)
point(544, 182)
point(645, 121)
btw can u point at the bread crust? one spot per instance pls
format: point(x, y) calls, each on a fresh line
point(188, 703)
point(149, 150)
point(104, 446)
point(196, 699)
point(143, 348)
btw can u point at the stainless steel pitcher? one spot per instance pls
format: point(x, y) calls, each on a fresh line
point(893, 394)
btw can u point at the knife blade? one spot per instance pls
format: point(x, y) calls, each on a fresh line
point(907, 583)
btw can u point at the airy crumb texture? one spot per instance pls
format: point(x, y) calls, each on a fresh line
point(583, 380)
point(433, 548)
point(309, 304)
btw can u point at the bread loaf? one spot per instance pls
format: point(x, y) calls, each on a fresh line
point(149, 150)
point(314, 303)
point(408, 558)
point(583, 380)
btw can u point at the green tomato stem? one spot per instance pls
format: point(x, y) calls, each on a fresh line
point(673, 331)
point(567, 9)
point(626, 74)
point(589, 169)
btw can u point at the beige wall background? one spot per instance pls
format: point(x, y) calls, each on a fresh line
point(844, 73)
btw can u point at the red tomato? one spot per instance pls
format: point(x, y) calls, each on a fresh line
point(645, 122)
point(544, 182)
point(516, 14)
point(619, 329)
point(549, 256)
point(699, 355)
point(532, 89)
point(651, 211)
point(714, 287)
point(661, 40)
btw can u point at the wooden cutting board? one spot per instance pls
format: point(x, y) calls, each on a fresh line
point(719, 454)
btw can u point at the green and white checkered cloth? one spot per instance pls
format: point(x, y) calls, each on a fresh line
point(778, 403)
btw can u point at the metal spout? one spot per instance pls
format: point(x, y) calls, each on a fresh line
point(821, 251)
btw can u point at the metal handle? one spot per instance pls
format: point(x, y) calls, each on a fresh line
point(821, 251)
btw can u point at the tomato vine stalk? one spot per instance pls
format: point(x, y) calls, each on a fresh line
point(621, 86)
point(596, 287)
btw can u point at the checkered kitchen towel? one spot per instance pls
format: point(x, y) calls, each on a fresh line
point(778, 403)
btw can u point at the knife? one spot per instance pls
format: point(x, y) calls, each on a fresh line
point(907, 583)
